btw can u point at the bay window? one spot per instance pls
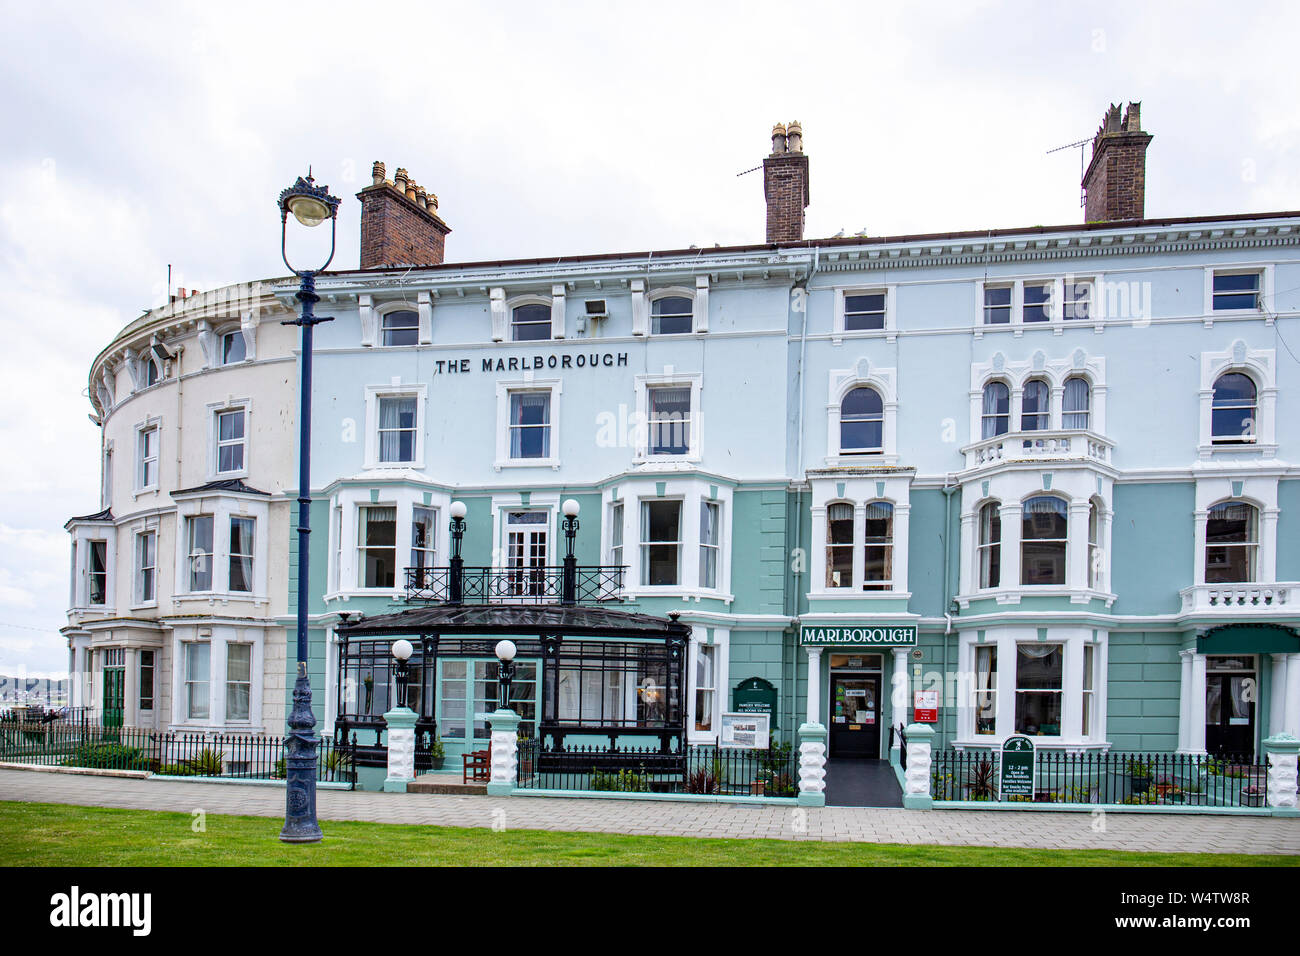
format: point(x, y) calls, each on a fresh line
point(990, 545)
point(660, 542)
point(705, 687)
point(1035, 412)
point(239, 677)
point(199, 537)
point(996, 416)
point(1089, 688)
point(839, 545)
point(97, 572)
point(1231, 543)
point(424, 530)
point(197, 675)
point(1044, 525)
point(1075, 403)
point(1040, 674)
point(241, 554)
point(878, 564)
point(377, 546)
point(986, 689)
point(710, 544)
point(616, 534)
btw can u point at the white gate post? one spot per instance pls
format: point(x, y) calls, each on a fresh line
point(1281, 753)
point(401, 749)
point(916, 778)
point(812, 765)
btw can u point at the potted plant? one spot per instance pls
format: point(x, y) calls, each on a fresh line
point(1139, 775)
point(982, 780)
point(437, 754)
point(1252, 795)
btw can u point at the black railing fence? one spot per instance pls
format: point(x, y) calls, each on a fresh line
point(592, 584)
point(235, 756)
point(1114, 777)
point(702, 769)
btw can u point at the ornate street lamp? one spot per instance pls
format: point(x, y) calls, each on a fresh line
point(402, 651)
point(457, 570)
point(569, 585)
point(311, 205)
point(505, 672)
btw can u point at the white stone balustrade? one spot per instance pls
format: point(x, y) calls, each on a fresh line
point(1070, 445)
point(1236, 598)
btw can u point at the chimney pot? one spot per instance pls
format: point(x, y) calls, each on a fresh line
point(399, 180)
point(399, 232)
point(794, 137)
point(377, 173)
point(778, 139)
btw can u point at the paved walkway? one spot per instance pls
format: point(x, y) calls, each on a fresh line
point(1024, 828)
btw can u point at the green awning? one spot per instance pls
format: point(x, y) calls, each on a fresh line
point(1249, 639)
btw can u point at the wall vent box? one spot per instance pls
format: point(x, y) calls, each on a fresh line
point(596, 309)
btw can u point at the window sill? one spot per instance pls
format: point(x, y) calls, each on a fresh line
point(1211, 451)
point(228, 475)
point(855, 594)
point(149, 606)
point(664, 462)
point(873, 459)
point(995, 741)
point(675, 591)
point(552, 463)
point(416, 465)
point(1014, 595)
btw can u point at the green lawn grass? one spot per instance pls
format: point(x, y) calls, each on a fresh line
point(46, 834)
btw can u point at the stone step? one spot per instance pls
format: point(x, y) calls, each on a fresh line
point(445, 783)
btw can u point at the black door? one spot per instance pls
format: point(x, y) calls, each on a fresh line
point(855, 715)
point(1230, 715)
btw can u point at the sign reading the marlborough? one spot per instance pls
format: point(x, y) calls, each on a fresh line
point(531, 363)
point(846, 635)
point(1018, 768)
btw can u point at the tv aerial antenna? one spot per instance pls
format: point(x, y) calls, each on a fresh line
point(1083, 168)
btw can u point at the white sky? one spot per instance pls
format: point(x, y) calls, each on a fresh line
point(136, 140)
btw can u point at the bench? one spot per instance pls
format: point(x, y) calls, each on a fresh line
point(478, 764)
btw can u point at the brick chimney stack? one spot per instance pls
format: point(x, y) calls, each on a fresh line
point(399, 222)
point(1115, 182)
point(785, 184)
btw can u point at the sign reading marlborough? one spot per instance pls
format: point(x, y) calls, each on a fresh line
point(1018, 768)
point(854, 635)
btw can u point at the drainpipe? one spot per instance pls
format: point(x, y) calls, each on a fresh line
point(798, 467)
point(949, 489)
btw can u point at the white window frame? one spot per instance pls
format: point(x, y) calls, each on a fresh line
point(546, 302)
point(344, 572)
point(890, 329)
point(358, 547)
point(670, 292)
point(1265, 294)
point(1258, 491)
point(859, 491)
point(527, 384)
point(1053, 371)
point(715, 548)
point(227, 682)
point(395, 389)
point(691, 490)
point(189, 524)
point(137, 561)
point(718, 641)
point(83, 533)
point(215, 411)
point(1260, 365)
point(391, 308)
point(221, 336)
point(217, 636)
point(186, 681)
point(231, 554)
point(222, 506)
point(843, 381)
point(1056, 303)
point(643, 384)
point(1006, 639)
point(153, 425)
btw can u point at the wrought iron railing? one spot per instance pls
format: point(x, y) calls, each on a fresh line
point(701, 769)
point(591, 584)
point(234, 756)
point(1113, 777)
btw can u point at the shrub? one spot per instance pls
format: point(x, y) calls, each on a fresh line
point(624, 781)
point(701, 781)
point(108, 757)
point(175, 770)
point(206, 763)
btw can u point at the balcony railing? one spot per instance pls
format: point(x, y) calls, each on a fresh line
point(1240, 597)
point(547, 584)
point(1038, 445)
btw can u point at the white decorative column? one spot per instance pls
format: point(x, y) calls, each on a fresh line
point(401, 749)
point(916, 778)
point(1291, 707)
point(1196, 728)
point(1268, 550)
point(1277, 694)
point(968, 575)
point(812, 765)
point(1281, 751)
point(1185, 703)
point(813, 714)
point(131, 687)
point(899, 695)
point(1198, 548)
point(1010, 549)
point(1076, 546)
point(1072, 701)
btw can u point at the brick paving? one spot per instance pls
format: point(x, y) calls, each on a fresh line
point(1200, 833)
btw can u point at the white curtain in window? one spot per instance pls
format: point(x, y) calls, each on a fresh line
point(1075, 404)
point(396, 422)
point(529, 418)
point(996, 407)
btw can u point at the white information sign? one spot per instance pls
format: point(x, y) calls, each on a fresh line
point(747, 731)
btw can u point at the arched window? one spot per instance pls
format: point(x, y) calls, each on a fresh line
point(152, 371)
point(1034, 408)
point(1044, 523)
point(403, 328)
point(1076, 403)
point(990, 545)
point(878, 568)
point(839, 545)
point(1231, 543)
point(529, 323)
point(671, 315)
point(862, 422)
point(1232, 416)
point(997, 410)
point(1094, 545)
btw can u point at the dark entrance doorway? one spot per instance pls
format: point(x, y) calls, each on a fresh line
point(855, 715)
point(1231, 693)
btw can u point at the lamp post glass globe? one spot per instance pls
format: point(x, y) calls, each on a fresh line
point(308, 211)
point(570, 508)
point(402, 650)
point(458, 509)
point(506, 650)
